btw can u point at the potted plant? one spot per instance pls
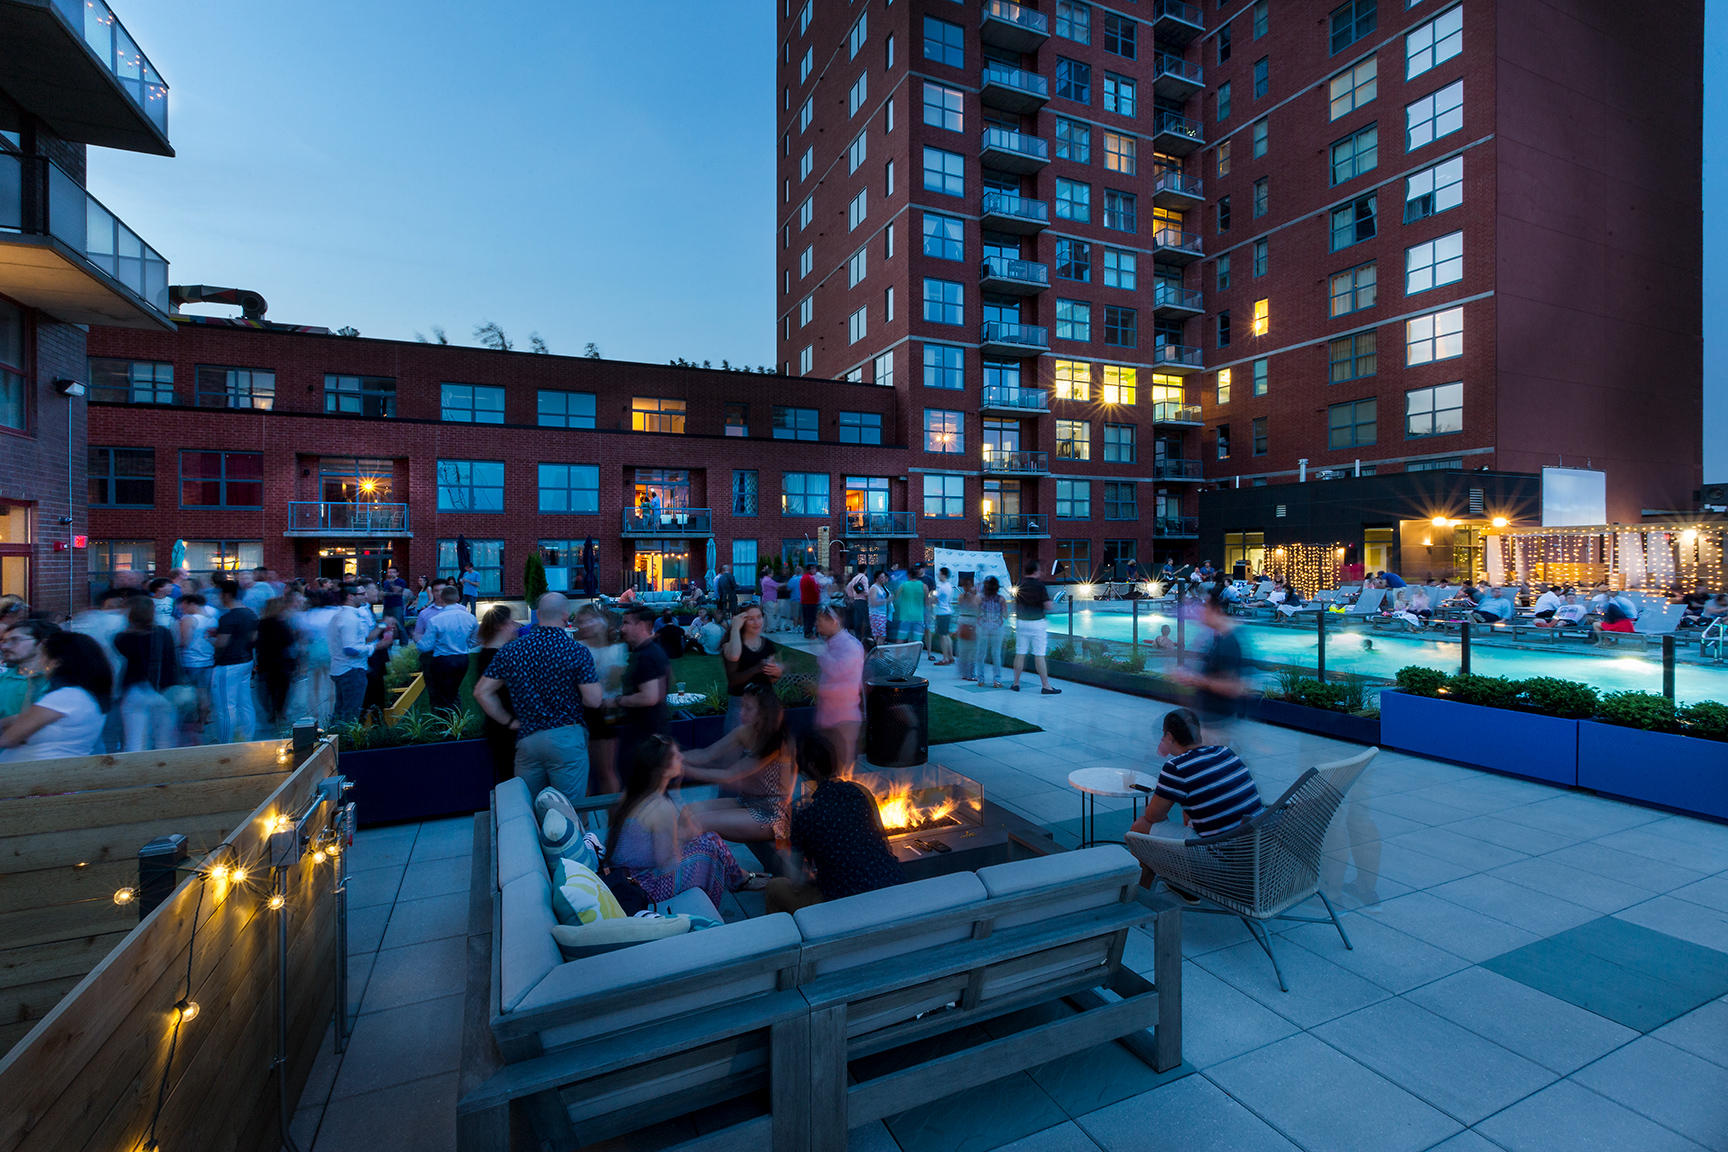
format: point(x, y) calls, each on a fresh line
point(424, 766)
point(1520, 728)
point(1642, 747)
point(1338, 708)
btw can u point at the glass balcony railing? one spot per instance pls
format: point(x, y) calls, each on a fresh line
point(1029, 337)
point(1175, 468)
point(1176, 356)
point(1175, 242)
point(1170, 296)
point(1017, 15)
point(1015, 79)
point(1019, 208)
point(1018, 271)
point(674, 522)
point(1018, 144)
point(1022, 460)
point(880, 524)
point(336, 518)
point(1176, 526)
point(1178, 10)
point(108, 39)
point(1019, 399)
point(1014, 524)
point(1175, 183)
point(1175, 124)
point(37, 198)
point(1170, 412)
point(1169, 64)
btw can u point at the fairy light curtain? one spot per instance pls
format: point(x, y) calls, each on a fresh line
point(1659, 567)
point(1631, 549)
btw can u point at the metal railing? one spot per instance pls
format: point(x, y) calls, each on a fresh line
point(1170, 296)
point(1170, 412)
point(1011, 396)
point(1176, 356)
point(1034, 336)
point(107, 38)
point(1013, 524)
point(1021, 271)
point(1172, 65)
point(1019, 143)
point(1176, 526)
point(1018, 79)
point(1178, 10)
point(1019, 207)
point(670, 522)
point(1176, 468)
point(1011, 13)
point(1178, 183)
point(1002, 460)
point(1176, 125)
point(38, 198)
point(363, 519)
point(1169, 239)
point(866, 524)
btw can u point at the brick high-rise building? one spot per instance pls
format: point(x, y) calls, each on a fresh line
point(70, 76)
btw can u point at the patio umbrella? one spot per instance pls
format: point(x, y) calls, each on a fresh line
point(589, 582)
point(464, 553)
point(712, 557)
point(177, 558)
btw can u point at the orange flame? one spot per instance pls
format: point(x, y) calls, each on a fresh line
point(902, 807)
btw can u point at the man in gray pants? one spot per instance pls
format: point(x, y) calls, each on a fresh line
point(551, 678)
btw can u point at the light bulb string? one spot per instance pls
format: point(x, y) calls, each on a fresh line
point(179, 1015)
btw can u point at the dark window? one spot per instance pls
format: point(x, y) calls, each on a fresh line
point(570, 488)
point(1262, 76)
point(131, 381)
point(1073, 80)
point(737, 418)
point(222, 479)
point(794, 423)
point(472, 403)
point(944, 42)
point(218, 387)
point(373, 396)
point(1351, 21)
point(1354, 222)
point(744, 490)
point(1259, 428)
point(1121, 211)
point(566, 409)
point(1223, 213)
point(1121, 327)
point(1074, 260)
point(1351, 424)
point(14, 404)
point(1120, 35)
point(123, 477)
point(1224, 41)
point(1121, 501)
point(471, 486)
point(860, 428)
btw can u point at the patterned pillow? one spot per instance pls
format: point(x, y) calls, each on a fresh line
point(562, 836)
point(581, 897)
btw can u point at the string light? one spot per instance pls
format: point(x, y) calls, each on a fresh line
point(319, 856)
point(277, 900)
point(188, 1010)
point(125, 896)
point(238, 876)
point(219, 873)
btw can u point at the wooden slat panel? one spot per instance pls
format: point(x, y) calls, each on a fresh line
point(19, 966)
point(65, 884)
point(137, 769)
point(41, 926)
point(119, 842)
point(27, 1002)
point(159, 803)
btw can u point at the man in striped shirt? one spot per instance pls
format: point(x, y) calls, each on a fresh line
point(1208, 780)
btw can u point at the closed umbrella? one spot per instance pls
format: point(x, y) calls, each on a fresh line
point(712, 556)
point(464, 553)
point(177, 558)
point(589, 582)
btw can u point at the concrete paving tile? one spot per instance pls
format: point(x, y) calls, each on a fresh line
point(416, 972)
point(366, 928)
point(1467, 1141)
point(1357, 886)
point(1702, 1032)
point(400, 1046)
point(1414, 806)
point(1580, 815)
point(1665, 1084)
point(1646, 841)
point(1681, 918)
point(1599, 859)
point(373, 886)
point(1067, 1137)
point(977, 1119)
point(1394, 960)
point(323, 1075)
point(1413, 868)
point(418, 1116)
point(1451, 927)
point(1712, 892)
point(1570, 1116)
point(359, 974)
point(1322, 1099)
point(304, 1127)
point(415, 921)
point(441, 838)
point(376, 849)
point(1506, 834)
point(1445, 844)
point(1097, 1077)
point(1221, 1022)
point(1319, 989)
point(1476, 797)
point(1552, 878)
point(1195, 1113)
point(436, 876)
point(1515, 904)
point(871, 1137)
point(1536, 1026)
point(1460, 1073)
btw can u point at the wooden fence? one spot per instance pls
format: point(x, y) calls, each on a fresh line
point(100, 1055)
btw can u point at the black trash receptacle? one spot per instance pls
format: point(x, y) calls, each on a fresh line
point(896, 722)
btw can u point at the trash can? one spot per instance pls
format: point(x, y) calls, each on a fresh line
point(896, 722)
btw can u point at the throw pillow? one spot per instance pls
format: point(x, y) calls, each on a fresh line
point(581, 897)
point(578, 940)
point(562, 836)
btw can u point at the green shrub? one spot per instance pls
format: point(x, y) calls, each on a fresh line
point(1136, 661)
point(1562, 699)
point(1355, 694)
point(1650, 711)
point(1290, 682)
point(403, 667)
point(1328, 696)
point(1706, 719)
point(1061, 652)
point(1419, 681)
point(1486, 691)
point(533, 579)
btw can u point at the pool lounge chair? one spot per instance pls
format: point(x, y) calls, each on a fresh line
point(1368, 604)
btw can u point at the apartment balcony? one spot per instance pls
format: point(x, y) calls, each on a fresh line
point(1177, 526)
point(335, 518)
point(1012, 151)
point(1013, 26)
point(1007, 400)
point(1014, 526)
point(1170, 412)
point(1174, 246)
point(1175, 468)
point(1013, 277)
point(61, 251)
point(1013, 89)
point(1005, 212)
point(1176, 135)
point(1177, 359)
point(879, 526)
point(1001, 462)
point(1175, 190)
point(672, 523)
point(1005, 339)
point(1174, 78)
point(1170, 300)
point(1176, 21)
point(72, 63)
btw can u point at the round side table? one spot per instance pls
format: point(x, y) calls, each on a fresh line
point(1092, 783)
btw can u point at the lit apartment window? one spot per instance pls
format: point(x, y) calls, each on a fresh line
point(1437, 336)
point(1434, 190)
point(1223, 154)
point(1073, 440)
point(1262, 317)
point(855, 267)
point(1073, 80)
point(1119, 153)
point(1121, 327)
point(806, 261)
point(1074, 260)
point(1074, 21)
point(1073, 320)
point(884, 368)
point(944, 496)
point(857, 325)
point(1121, 95)
point(1119, 385)
point(944, 366)
point(216, 387)
point(943, 301)
point(1434, 411)
point(806, 311)
point(1433, 263)
point(1357, 153)
point(944, 43)
point(470, 485)
point(1073, 380)
point(556, 409)
point(1434, 116)
point(804, 494)
point(570, 488)
point(1353, 289)
point(737, 418)
point(1428, 44)
point(1073, 200)
point(1120, 36)
point(858, 209)
point(1261, 136)
point(1119, 443)
point(655, 414)
point(794, 423)
point(1073, 140)
point(856, 151)
point(111, 380)
point(1120, 268)
point(944, 430)
point(944, 237)
point(1354, 87)
point(1351, 21)
point(944, 107)
point(1351, 424)
point(1261, 374)
point(1073, 499)
point(1353, 356)
point(1262, 76)
point(855, 38)
point(860, 428)
point(1224, 376)
point(944, 172)
point(471, 403)
point(1354, 222)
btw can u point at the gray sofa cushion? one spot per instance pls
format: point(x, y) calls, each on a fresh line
point(1061, 882)
point(525, 945)
point(690, 902)
point(511, 799)
point(824, 922)
point(649, 967)
point(519, 850)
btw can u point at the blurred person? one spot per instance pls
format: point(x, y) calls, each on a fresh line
point(469, 586)
point(1164, 639)
point(910, 600)
point(318, 693)
point(769, 599)
point(837, 834)
point(451, 637)
point(809, 599)
point(148, 719)
point(197, 656)
point(966, 628)
point(877, 600)
point(376, 701)
point(944, 618)
point(233, 641)
point(597, 631)
point(162, 593)
point(661, 846)
point(725, 592)
point(754, 763)
point(497, 628)
point(1032, 604)
point(707, 634)
point(747, 657)
point(647, 679)
point(22, 680)
point(67, 720)
point(353, 633)
point(856, 593)
point(550, 679)
point(839, 685)
point(1219, 688)
point(277, 654)
point(255, 589)
point(422, 595)
point(992, 622)
point(393, 594)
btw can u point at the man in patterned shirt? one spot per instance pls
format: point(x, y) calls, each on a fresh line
point(551, 678)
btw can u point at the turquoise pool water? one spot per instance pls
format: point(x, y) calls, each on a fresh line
point(1381, 654)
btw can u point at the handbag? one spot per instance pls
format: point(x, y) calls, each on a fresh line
point(630, 895)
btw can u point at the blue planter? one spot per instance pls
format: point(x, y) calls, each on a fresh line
point(1499, 739)
point(1320, 721)
point(418, 781)
point(1679, 772)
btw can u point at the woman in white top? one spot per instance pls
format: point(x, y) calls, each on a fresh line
point(67, 720)
point(598, 633)
point(197, 654)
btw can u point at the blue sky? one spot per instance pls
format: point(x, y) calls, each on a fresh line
point(589, 171)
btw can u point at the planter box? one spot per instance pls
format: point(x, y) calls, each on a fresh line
point(1117, 680)
point(1320, 721)
point(697, 731)
point(1679, 772)
point(405, 698)
point(1499, 739)
point(418, 781)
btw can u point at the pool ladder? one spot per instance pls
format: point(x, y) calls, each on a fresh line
point(1716, 633)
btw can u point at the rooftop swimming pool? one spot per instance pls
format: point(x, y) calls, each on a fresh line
point(1359, 650)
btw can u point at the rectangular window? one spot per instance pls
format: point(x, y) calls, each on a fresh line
point(855, 267)
point(860, 428)
point(1074, 260)
point(1261, 137)
point(857, 325)
point(1073, 140)
point(1434, 411)
point(1073, 499)
point(116, 381)
point(806, 263)
point(1120, 268)
point(1222, 111)
point(944, 237)
point(1074, 21)
point(1073, 320)
point(488, 558)
point(1224, 378)
point(795, 423)
point(1354, 222)
point(806, 359)
point(1262, 248)
point(944, 496)
point(1223, 214)
point(221, 479)
point(1073, 380)
point(106, 557)
point(737, 418)
point(1437, 336)
point(944, 43)
point(1121, 96)
point(1119, 385)
point(855, 38)
point(1120, 153)
point(1226, 41)
point(470, 486)
point(1121, 211)
point(858, 209)
point(804, 494)
point(1352, 357)
point(217, 387)
point(1222, 268)
point(1354, 87)
point(1429, 44)
point(1262, 76)
point(1353, 290)
point(857, 151)
point(806, 162)
point(208, 557)
point(806, 113)
point(1224, 328)
point(1351, 424)
point(744, 553)
point(1258, 427)
point(944, 172)
point(654, 414)
point(1262, 370)
point(1357, 153)
point(1351, 21)
point(1119, 443)
point(471, 403)
point(942, 301)
point(1434, 116)
point(1073, 80)
point(1120, 36)
point(1262, 196)
point(122, 477)
point(806, 213)
point(1223, 157)
point(805, 65)
point(944, 366)
point(744, 492)
point(1073, 200)
point(806, 311)
point(565, 409)
point(570, 488)
point(1434, 190)
point(1073, 440)
point(1121, 327)
point(1262, 17)
point(1433, 263)
point(944, 107)
point(944, 430)
point(1262, 318)
point(884, 365)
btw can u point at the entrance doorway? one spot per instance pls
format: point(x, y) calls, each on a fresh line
point(360, 558)
point(15, 549)
point(660, 565)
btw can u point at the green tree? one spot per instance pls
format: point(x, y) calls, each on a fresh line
point(533, 578)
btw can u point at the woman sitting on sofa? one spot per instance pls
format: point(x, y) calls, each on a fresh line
point(659, 845)
point(838, 833)
point(753, 762)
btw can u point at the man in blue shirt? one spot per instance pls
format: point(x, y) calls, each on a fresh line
point(551, 679)
point(451, 636)
point(1209, 781)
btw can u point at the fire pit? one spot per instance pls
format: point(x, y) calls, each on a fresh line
point(935, 819)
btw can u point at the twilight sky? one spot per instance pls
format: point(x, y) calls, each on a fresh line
point(588, 171)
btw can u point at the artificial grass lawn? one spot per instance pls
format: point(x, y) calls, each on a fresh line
point(951, 721)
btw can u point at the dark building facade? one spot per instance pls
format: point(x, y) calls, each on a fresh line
point(70, 77)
